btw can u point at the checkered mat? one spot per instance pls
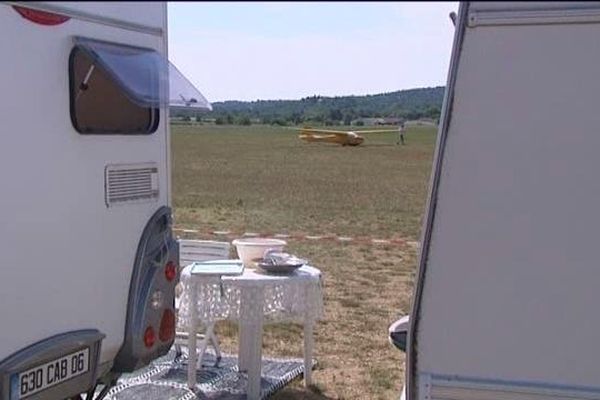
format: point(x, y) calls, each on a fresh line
point(166, 378)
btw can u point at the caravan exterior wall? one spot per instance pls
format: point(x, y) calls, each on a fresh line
point(85, 221)
point(506, 304)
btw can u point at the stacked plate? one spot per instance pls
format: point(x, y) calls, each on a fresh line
point(279, 262)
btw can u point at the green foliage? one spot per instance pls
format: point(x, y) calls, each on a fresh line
point(407, 104)
point(244, 120)
point(279, 122)
point(348, 119)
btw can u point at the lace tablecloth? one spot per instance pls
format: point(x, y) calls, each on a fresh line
point(295, 297)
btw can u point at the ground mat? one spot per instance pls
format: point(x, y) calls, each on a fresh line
point(166, 378)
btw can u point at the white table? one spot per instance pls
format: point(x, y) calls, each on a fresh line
point(253, 299)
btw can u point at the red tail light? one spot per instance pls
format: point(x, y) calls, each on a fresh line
point(149, 337)
point(167, 326)
point(170, 271)
point(41, 17)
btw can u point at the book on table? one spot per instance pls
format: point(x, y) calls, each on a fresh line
point(218, 267)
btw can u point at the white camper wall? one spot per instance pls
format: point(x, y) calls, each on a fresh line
point(511, 285)
point(145, 13)
point(67, 259)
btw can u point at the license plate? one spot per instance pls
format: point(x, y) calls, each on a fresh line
point(52, 373)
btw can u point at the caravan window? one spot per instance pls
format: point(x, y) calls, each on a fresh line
point(119, 89)
point(100, 103)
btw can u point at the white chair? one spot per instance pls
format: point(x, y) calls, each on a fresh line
point(195, 251)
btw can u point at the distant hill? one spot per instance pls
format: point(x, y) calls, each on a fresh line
point(407, 104)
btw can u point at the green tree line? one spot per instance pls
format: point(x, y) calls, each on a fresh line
point(320, 110)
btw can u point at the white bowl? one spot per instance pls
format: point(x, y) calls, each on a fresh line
point(249, 249)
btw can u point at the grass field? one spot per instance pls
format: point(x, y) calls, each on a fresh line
point(264, 179)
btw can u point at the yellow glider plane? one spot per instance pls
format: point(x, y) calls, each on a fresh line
point(345, 138)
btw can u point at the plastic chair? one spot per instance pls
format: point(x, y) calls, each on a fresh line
point(196, 251)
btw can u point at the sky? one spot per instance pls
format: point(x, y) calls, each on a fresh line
point(282, 50)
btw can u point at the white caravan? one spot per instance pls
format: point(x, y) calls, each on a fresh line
point(506, 302)
point(89, 263)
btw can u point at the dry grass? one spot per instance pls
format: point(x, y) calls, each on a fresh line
point(263, 179)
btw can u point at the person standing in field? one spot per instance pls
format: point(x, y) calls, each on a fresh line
point(400, 134)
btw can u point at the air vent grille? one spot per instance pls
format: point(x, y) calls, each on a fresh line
point(131, 183)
